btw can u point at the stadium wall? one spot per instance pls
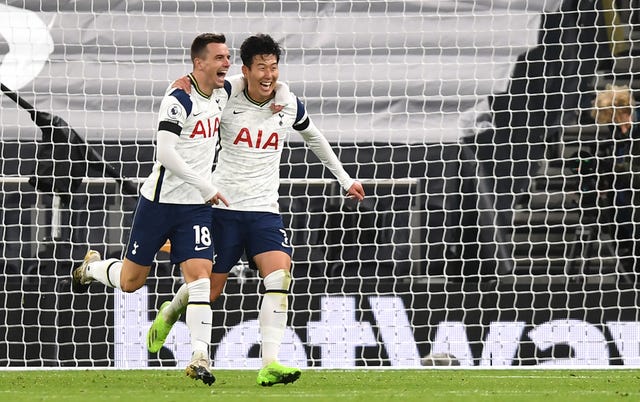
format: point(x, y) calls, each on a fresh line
point(336, 323)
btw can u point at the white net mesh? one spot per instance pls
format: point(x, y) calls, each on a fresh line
point(498, 228)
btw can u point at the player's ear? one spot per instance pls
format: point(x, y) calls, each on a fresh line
point(245, 71)
point(197, 63)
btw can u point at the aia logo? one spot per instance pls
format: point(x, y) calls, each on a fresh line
point(204, 129)
point(258, 141)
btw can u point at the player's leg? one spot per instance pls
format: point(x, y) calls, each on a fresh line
point(170, 311)
point(271, 253)
point(275, 306)
point(197, 274)
point(192, 248)
point(273, 317)
point(125, 275)
point(131, 273)
point(228, 246)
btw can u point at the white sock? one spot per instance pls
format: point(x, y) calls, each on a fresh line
point(273, 314)
point(106, 272)
point(177, 306)
point(199, 315)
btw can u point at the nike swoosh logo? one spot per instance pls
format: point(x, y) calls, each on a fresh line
point(197, 114)
point(236, 112)
point(280, 312)
point(200, 248)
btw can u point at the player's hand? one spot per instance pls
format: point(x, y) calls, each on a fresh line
point(356, 191)
point(218, 198)
point(275, 108)
point(183, 83)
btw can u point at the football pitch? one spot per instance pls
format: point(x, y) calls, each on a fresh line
point(324, 385)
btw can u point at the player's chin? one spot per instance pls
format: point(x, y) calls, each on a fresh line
point(267, 92)
point(220, 80)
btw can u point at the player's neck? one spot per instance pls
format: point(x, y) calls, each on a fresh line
point(202, 84)
point(258, 98)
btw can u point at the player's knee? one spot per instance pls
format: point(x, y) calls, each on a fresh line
point(196, 268)
point(132, 276)
point(279, 279)
point(130, 285)
point(199, 290)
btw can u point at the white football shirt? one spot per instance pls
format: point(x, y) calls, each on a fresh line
point(195, 119)
point(247, 172)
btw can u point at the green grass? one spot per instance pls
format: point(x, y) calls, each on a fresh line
point(324, 385)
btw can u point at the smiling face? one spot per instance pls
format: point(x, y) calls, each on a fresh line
point(211, 66)
point(261, 76)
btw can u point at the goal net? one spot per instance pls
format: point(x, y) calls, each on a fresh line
point(499, 223)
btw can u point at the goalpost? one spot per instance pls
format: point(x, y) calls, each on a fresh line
point(468, 122)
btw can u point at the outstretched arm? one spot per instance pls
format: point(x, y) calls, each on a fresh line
point(356, 191)
point(322, 149)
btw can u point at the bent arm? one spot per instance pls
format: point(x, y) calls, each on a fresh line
point(170, 159)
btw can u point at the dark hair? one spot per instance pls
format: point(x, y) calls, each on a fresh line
point(199, 44)
point(258, 45)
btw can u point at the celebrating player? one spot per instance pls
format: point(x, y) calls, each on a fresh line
point(247, 172)
point(175, 198)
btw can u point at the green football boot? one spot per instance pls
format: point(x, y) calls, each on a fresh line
point(276, 373)
point(158, 331)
